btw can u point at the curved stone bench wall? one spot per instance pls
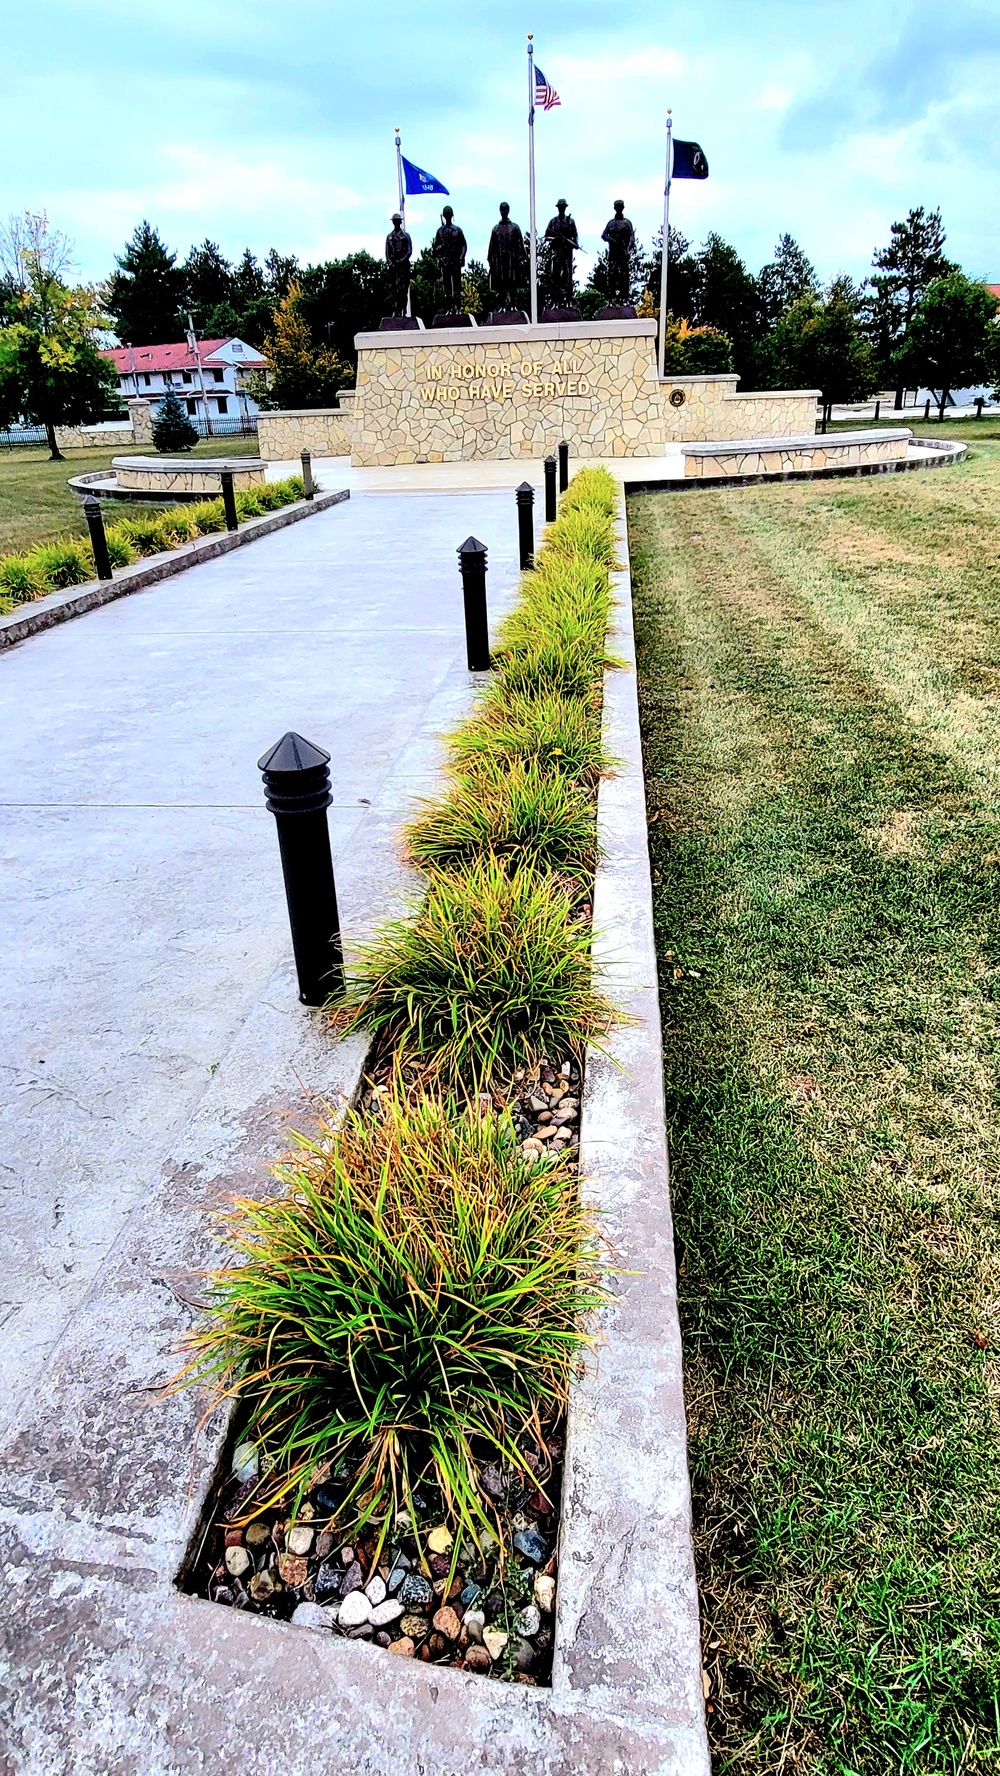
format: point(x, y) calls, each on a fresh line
point(783, 456)
point(174, 478)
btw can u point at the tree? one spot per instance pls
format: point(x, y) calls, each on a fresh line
point(725, 295)
point(208, 284)
point(51, 370)
point(250, 301)
point(785, 279)
point(951, 340)
point(172, 430)
point(680, 278)
point(695, 351)
point(343, 297)
point(819, 344)
point(913, 260)
point(596, 293)
point(302, 374)
point(145, 294)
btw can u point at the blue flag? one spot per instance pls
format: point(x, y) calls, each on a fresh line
point(419, 183)
point(689, 161)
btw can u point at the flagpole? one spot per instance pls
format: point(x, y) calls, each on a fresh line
point(399, 177)
point(532, 243)
point(664, 257)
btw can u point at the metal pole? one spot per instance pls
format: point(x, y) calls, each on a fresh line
point(525, 497)
point(472, 567)
point(193, 345)
point(532, 241)
point(665, 255)
point(307, 474)
point(229, 499)
point(878, 409)
point(563, 466)
point(98, 541)
point(550, 489)
point(297, 788)
point(979, 406)
point(927, 409)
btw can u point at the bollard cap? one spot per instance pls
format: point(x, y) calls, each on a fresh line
point(471, 546)
point(525, 489)
point(90, 500)
point(296, 779)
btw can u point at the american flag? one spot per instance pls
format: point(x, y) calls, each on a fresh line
point(545, 95)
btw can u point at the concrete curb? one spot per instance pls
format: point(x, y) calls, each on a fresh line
point(105, 1665)
point(59, 607)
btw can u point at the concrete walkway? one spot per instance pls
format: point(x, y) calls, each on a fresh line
point(142, 900)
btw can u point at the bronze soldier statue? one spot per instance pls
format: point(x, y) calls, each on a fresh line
point(619, 236)
point(449, 248)
point(506, 257)
point(563, 242)
point(398, 253)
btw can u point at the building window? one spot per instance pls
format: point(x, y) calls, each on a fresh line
point(187, 375)
point(147, 380)
point(223, 404)
point(192, 406)
point(219, 375)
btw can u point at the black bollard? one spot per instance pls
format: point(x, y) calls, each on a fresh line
point(472, 566)
point(979, 406)
point(98, 541)
point(525, 496)
point(927, 409)
point(307, 474)
point(563, 466)
point(878, 409)
point(297, 788)
point(229, 499)
point(550, 489)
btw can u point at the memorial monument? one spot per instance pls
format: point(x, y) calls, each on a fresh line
point(507, 259)
point(619, 238)
point(449, 248)
point(563, 243)
point(398, 255)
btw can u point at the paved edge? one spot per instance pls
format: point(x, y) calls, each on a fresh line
point(105, 1664)
point(59, 607)
point(949, 455)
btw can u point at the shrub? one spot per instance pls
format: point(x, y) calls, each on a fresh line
point(559, 732)
point(582, 530)
point(248, 505)
point(491, 970)
point(695, 351)
point(533, 818)
point(20, 580)
point(143, 533)
point(172, 430)
point(208, 515)
point(596, 488)
point(63, 563)
point(420, 1288)
point(179, 525)
point(120, 550)
point(563, 665)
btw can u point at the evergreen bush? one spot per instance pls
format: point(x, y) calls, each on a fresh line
point(172, 429)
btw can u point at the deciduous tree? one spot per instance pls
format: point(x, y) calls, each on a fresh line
point(302, 373)
point(952, 339)
point(51, 369)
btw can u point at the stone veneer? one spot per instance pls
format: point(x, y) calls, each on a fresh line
point(455, 395)
point(759, 456)
point(137, 429)
point(461, 394)
point(166, 475)
point(284, 435)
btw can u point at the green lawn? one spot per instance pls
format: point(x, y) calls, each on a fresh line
point(820, 681)
point(36, 505)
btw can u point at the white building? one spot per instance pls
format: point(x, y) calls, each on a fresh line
point(216, 379)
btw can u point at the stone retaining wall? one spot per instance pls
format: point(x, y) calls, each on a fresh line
point(283, 436)
point(754, 456)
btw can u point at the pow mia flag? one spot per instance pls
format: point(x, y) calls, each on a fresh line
point(689, 161)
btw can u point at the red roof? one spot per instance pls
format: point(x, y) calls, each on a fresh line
point(995, 289)
point(172, 357)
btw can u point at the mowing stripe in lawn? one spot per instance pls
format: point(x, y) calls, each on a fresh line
point(827, 855)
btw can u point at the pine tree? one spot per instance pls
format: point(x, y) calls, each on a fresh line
point(172, 430)
point(208, 283)
point(789, 276)
point(906, 268)
point(819, 344)
point(145, 293)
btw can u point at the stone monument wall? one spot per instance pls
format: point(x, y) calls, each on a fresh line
point(282, 436)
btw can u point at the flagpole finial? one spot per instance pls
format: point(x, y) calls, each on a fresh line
point(531, 36)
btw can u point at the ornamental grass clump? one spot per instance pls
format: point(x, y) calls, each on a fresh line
point(490, 972)
point(584, 532)
point(120, 550)
point(419, 1294)
point(533, 819)
point(552, 731)
point(20, 580)
point(595, 489)
point(63, 563)
point(142, 532)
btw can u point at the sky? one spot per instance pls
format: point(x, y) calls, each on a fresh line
point(270, 122)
